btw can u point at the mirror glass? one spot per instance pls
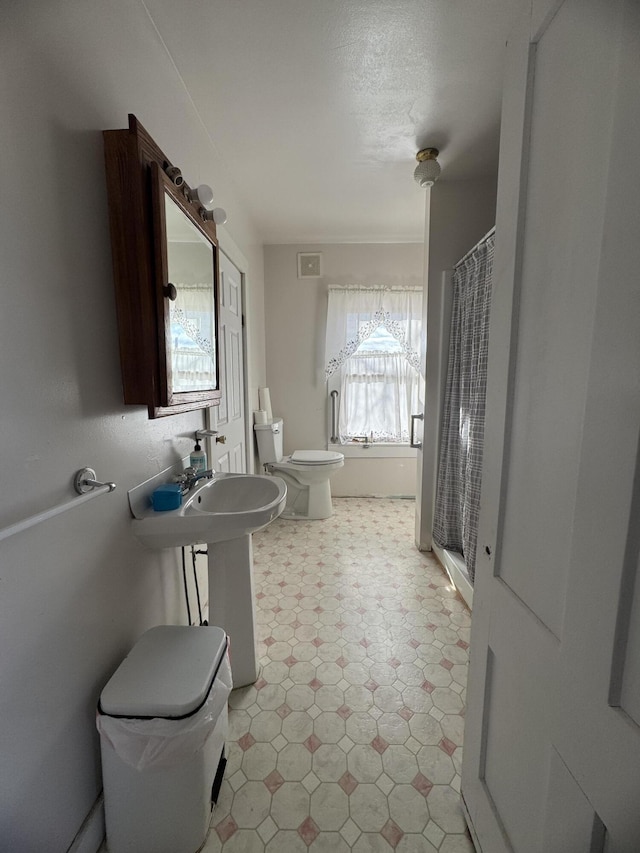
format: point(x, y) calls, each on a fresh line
point(192, 314)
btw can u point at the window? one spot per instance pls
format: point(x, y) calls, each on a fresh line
point(373, 338)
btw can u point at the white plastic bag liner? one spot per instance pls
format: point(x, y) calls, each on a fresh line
point(160, 742)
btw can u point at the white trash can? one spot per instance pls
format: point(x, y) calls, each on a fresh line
point(163, 723)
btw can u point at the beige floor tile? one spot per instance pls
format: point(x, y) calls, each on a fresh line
point(412, 843)
point(361, 727)
point(329, 806)
point(436, 765)
point(399, 763)
point(251, 805)
point(408, 808)
point(294, 762)
point(371, 843)
point(453, 728)
point(270, 697)
point(457, 844)
point(286, 842)
point(425, 728)
point(259, 761)
point(290, 805)
point(329, 842)
point(352, 743)
point(364, 763)
point(265, 726)
point(297, 726)
point(244, 841)
point(329, 697)
point(445, 809)
point(393, 728)
point(446, 700)
point(329, 763)
point(267, 829)
point(300, 697)
point(369, 808)
point(329, 727)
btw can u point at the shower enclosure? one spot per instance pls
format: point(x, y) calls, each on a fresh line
point(457, 502)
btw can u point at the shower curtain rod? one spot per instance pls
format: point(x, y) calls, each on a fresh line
point(489, 233)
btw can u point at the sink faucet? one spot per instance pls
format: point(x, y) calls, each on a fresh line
point(190, 477)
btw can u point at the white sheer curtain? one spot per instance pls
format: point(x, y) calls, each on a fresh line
point(192, 318)
point(372, 343)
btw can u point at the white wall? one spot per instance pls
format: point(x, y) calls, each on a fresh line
point(461, 213)
point(77, 591)
point(296, 311)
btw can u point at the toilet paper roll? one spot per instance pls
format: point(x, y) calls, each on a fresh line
point(265, 402)
point(260, 416)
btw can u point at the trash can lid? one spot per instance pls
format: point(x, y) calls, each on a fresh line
point(168, 673)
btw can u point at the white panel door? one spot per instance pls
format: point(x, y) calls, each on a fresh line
point(552, 744)
point(229, 417)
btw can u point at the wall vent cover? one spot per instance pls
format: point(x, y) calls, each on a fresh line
point(309, 265)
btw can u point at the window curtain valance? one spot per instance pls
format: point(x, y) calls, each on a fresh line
point(354, 314)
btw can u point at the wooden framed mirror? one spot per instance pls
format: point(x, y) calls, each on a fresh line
point(165, 257)
point(186, 290)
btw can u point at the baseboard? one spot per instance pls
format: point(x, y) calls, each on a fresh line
point(91, 834)
point(380, 497)
point(472, 831)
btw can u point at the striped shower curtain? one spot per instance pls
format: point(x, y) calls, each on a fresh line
point(460, 463)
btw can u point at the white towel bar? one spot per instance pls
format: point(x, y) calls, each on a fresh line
point(87, 487)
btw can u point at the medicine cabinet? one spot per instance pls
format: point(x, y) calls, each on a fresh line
point(165, 259)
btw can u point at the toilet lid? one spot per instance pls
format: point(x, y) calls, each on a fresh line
point(315, 457)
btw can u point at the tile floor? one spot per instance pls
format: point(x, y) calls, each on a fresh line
point(351, 739)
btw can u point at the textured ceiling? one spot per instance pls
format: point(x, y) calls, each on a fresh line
point(317, 107)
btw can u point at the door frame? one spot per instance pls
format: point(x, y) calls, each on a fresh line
point(228, 247)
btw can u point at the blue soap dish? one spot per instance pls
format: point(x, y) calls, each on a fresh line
point(167, 497)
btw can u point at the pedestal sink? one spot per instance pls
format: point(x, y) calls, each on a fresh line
point(216, 510)
point(223, 513)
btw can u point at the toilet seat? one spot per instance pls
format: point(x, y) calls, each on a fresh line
point(315, 457)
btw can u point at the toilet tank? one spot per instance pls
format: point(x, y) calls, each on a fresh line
point(269, 438)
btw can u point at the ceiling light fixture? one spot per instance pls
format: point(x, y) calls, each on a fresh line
point(428, 169)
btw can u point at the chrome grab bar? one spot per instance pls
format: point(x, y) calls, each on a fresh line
point(335, 438)
point(412, 437)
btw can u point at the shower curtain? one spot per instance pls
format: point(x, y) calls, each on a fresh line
point(460, 464)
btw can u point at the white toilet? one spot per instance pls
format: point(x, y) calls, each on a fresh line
point(306, 472)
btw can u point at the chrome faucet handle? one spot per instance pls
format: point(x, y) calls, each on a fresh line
point(186, 479)
point(209, 474)
point(190, 476)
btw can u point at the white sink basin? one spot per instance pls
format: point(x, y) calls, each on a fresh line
point(226, 507)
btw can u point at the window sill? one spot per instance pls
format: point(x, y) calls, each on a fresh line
point(377, 450)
